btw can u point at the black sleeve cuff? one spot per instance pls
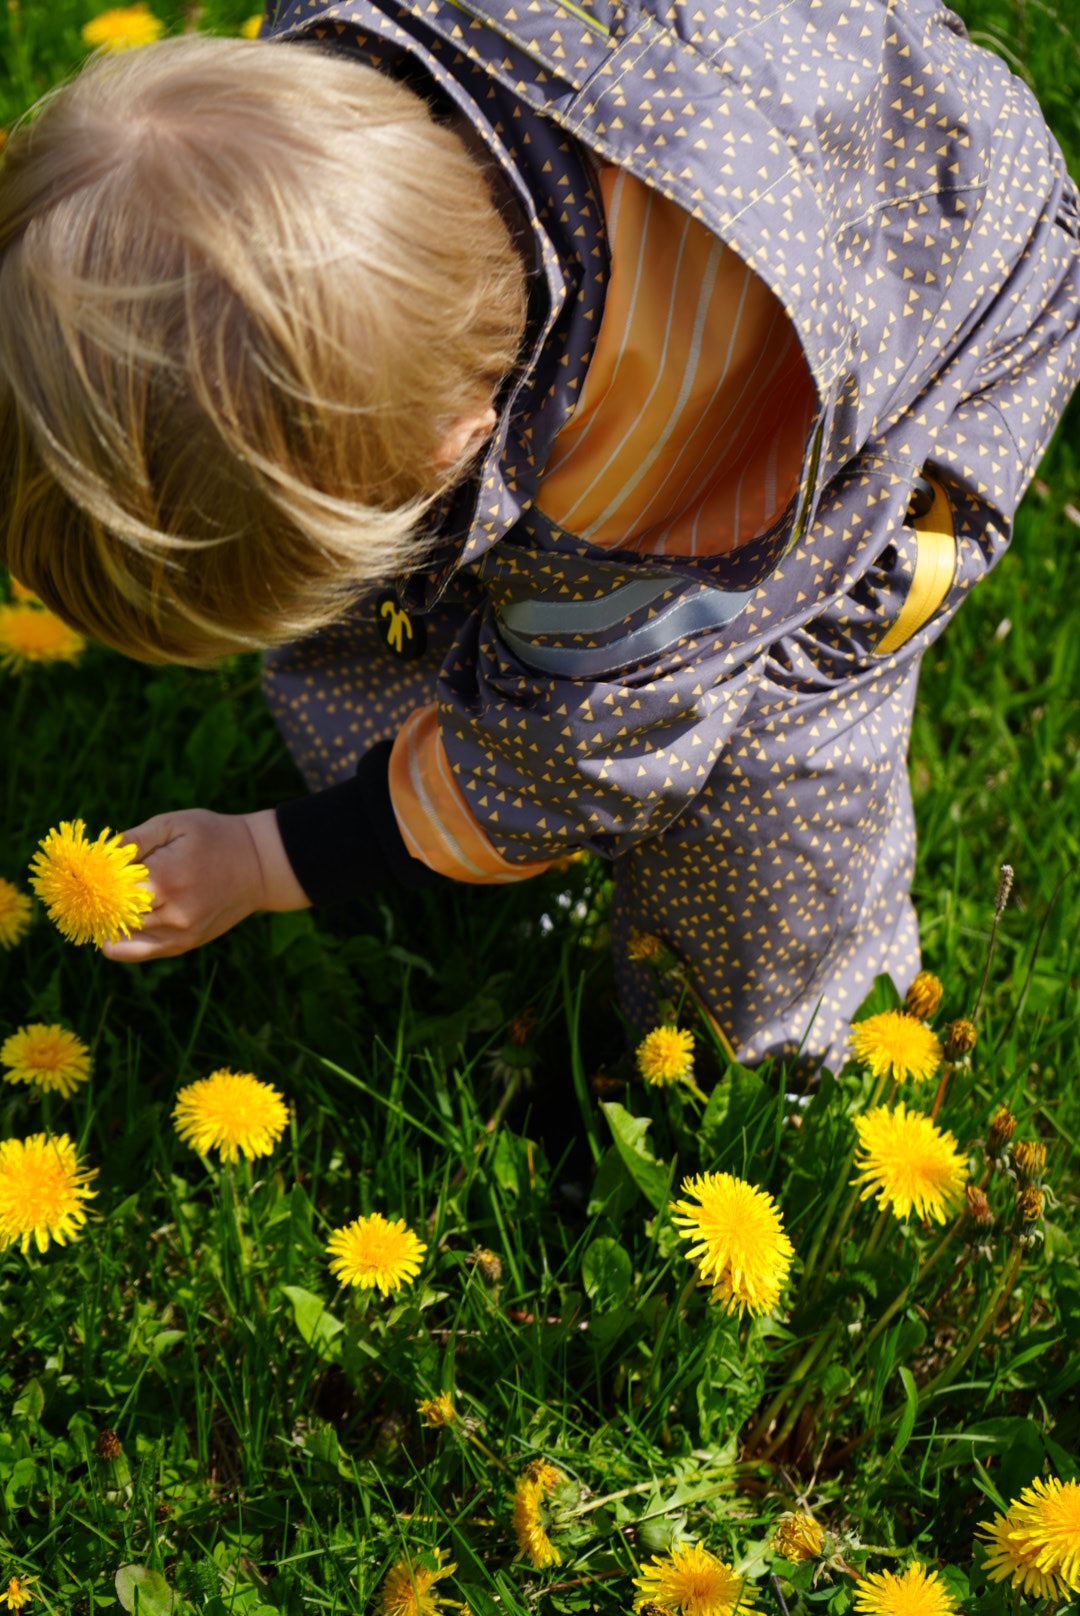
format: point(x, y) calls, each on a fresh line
point(344, 843)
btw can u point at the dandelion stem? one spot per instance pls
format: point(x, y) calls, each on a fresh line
point(905, 1295)
point(671, 1318)
point(810, 1387)
point(815, 1273)
point(996, 1301)
point(946, 1073)
point(804, 1364)
point(500, 1464)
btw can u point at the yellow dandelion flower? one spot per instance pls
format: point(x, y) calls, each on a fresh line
point(741, 1248)
point(250, 28)
point(14, 914)
point(32, 634)
point(92, 890)
point(51, 1058)
point(1047, 1517)
point(960, 1039)
point(231, 1112)
point(1007, 1553)
point(437, 1411)
point(407, 1587)
point(908, 1163)
point(42, 1190)
point(529, 1515)
point(798, 1536)
point(896, 1045)
point(375, 1253)
point(915, 1592)
point(123, 27)
point(923, 996)
point(693, 1582)
point(643, 945)
point(666, 1055)
point(17, 1593)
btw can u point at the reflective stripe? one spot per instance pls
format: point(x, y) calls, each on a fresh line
point(693, 614)
point(935, 563)
point(584, 616)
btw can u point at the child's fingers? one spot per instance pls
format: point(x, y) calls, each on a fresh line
point(152, 834)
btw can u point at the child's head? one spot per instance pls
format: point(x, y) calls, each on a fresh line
point(246, 292)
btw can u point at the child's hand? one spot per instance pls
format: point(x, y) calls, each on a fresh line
point(207, 873)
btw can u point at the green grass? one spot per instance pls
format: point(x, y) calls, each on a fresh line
point(273, 1458)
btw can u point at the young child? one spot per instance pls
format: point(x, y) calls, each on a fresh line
point(597, 411)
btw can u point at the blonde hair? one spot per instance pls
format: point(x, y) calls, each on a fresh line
point(246, 290)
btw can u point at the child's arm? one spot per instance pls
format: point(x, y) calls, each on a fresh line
point(208, 872)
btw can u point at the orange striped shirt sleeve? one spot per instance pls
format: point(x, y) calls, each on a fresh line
point(434, 819)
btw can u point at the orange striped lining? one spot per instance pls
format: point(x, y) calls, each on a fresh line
point(693, 420)
point(688, 439)
point(432, 814)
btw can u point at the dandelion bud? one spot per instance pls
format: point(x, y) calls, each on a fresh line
point(1002, 1127)
point(107, 1445)
point(797, 1537)
point(521, 1026)
point(643, 945)
point(1029, 1203)
point(978, 1207)
point(1028, 1160)
point(489, 1263)
point(1004, 888)
point(960, 1039)
point(923, 997)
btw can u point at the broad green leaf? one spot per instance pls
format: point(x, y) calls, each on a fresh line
point(651, 1177)
point(29, 1403)
point(911, 1409)
point(606, 1272)
point(316, 1324)
point(143, 1592)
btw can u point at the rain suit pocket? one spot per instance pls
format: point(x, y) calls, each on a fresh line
point(928, 556)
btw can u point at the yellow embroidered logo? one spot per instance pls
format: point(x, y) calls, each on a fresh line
point(401, 633)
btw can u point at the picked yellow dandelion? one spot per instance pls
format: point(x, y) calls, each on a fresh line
point(232, 1113)
point(798, 1536)
point(1047, 1521)
point(692, 1582)
point(14, 914)
point(896, 1045)
point(915, 1592)
point(17, 1593)
point(435, 1412)
point(32, 634)
point(740, 1245)
point(909, 1163)
point(666, 1055)
point(250, 28)
point(93, 891)
point(407, 1588)
point(123, 27)
point(49, 1057)
point(42, 1190)
point(375, 1253)
point(530, 1517)
point(1007, 1553)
